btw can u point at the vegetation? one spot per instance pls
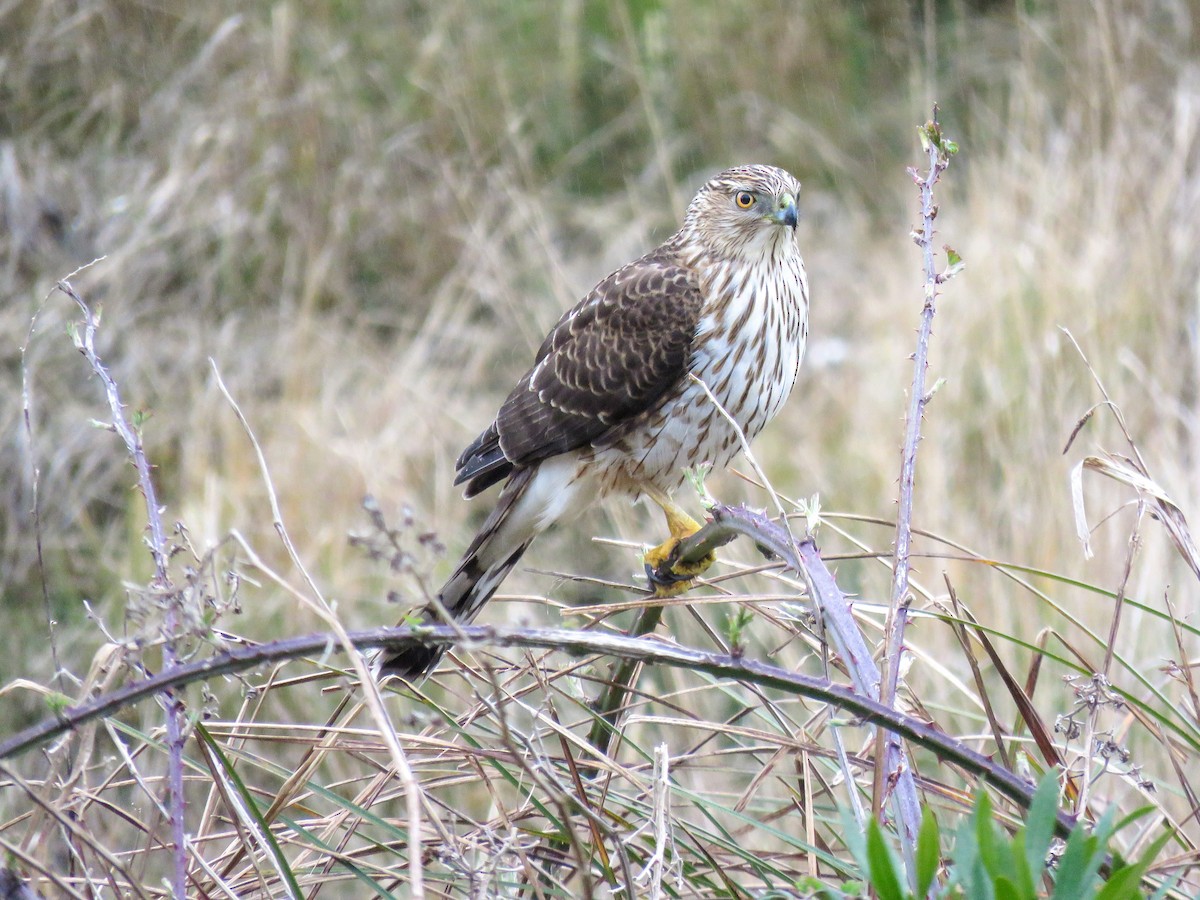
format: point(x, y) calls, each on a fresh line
point(366, 215)
point(989, 862)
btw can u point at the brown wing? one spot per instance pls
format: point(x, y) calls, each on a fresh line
point(612, 356)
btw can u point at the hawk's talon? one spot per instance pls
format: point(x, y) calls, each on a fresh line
point(671, 578)
point(662, 578)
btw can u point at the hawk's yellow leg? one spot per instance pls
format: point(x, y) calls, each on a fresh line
point(681, 525)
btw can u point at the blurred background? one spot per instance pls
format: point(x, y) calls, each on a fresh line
point(366, 215)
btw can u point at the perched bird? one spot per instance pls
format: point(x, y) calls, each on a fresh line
point(610, 405)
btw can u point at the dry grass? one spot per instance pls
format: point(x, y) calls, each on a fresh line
point(367, 217)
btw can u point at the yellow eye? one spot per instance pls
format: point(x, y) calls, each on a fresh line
point(744, 199)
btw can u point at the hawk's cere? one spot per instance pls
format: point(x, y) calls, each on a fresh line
point(610, 406)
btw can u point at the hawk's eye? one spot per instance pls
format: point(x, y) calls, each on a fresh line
point(744, 199)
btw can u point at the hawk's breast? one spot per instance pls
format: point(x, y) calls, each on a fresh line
point(747, 351)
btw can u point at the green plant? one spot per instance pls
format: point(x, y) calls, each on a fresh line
point(986, 861)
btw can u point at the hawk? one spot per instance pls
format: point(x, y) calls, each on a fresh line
point(616, 402)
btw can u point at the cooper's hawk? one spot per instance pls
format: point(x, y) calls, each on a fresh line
point(609, 407)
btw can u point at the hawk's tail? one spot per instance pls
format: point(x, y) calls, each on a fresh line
point(520, 515)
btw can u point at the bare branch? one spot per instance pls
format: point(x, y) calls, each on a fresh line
point(643, 650)
point(889, 755)
point(157, 542)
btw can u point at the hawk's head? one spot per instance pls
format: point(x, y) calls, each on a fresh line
point(748, 213)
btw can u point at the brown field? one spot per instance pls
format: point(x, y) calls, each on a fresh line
point(367, 215)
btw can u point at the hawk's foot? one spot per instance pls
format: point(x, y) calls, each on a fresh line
point(670, 581)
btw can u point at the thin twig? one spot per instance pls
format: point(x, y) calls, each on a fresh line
point(655, 869)
point(35, 474)
point(888, 753)
point(157, 543)
point(78, 830)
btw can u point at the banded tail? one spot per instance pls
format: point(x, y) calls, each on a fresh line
point(517, 519)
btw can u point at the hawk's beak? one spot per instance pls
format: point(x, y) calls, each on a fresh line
point(785, 213)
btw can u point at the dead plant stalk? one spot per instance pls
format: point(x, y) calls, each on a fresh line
point(157, 542)
point(888, 755)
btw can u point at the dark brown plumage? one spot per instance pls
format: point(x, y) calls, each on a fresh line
point(609, 405)
point(608, 358)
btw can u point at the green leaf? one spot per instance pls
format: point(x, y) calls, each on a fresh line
point(736, 624)
point(955, 263)
point(808, 886)
point(1022, 875)
point(1070, 880)
point(985, 836)
point(1134, 816)
point(1167, 886)
point(1127, 881)
point(1098, 847)
point(884, 866)
point(924, 134)
point(1000, 857)
point(1154, 849)
point(1006, 890)
point(855, 839)
point(929, 851)
point(264, 837)
point(1039, 824)
point(695, 477)
point(1124, 883)
point(811, 510)
point(967, 871)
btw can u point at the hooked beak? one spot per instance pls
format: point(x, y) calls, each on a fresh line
point(785, 213)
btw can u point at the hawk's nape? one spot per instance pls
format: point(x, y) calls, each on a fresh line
point(610, 407)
